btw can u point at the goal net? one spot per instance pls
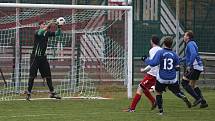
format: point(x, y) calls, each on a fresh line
point(91, 59)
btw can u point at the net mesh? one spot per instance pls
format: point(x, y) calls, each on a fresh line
point(90, 54)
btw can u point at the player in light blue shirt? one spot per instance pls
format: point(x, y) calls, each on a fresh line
point(166, 77)
point(194, 67)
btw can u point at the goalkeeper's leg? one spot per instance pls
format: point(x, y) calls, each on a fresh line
point(33, 73)
point(30, 86)
point(49, 83)
point(53, 94)
point(46, 74)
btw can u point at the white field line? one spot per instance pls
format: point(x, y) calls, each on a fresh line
point(99, 98)
point(37, 115)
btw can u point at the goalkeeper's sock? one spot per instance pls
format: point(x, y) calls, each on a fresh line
point(30, 84)
point(135, 101)
point(149, 96)
point(49, 83)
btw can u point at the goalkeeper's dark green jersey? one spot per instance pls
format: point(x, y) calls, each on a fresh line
point(41, 40)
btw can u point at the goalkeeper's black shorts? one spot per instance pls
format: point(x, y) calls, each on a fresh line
point(39, 63)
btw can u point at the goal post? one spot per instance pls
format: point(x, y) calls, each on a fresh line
point(105, 46)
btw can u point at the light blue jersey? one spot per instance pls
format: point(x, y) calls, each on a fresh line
point(192, 57)
point(168, 61)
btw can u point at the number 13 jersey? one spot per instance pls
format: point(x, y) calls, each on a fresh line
point(168, 61)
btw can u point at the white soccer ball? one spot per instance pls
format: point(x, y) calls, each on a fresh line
point(61, 21)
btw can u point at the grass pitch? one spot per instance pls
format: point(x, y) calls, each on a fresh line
point(105, 110)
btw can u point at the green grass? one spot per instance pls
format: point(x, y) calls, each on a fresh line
point(104, 110)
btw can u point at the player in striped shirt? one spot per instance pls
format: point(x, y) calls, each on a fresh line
point(38, 59)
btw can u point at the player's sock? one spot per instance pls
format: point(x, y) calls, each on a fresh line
point(203, 102)
point(30, 84)
point(135, 101)
point(149, 96)
point(198, 91)
point(180, 95)
point(159, 101)
point(189, 89)
point(49, 83)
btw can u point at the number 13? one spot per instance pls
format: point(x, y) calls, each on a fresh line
point(168, 64)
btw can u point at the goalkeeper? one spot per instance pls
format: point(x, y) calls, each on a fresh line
point(38, 58)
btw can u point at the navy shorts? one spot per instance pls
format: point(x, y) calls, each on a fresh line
point(160, 87)
point(193, 74)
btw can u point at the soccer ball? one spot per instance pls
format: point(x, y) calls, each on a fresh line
point(61, 21)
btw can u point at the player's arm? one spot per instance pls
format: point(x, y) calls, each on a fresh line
point(146, 69)
point(155, 61)
point(151, 55)
point(57, 32)
point(193, 54)
point(43, 31)
point(50, 23)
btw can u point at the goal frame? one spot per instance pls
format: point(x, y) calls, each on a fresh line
point(129, 30)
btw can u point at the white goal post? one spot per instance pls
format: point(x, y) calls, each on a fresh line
point(128, 33)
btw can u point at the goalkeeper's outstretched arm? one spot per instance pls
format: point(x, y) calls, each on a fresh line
point(57, 32)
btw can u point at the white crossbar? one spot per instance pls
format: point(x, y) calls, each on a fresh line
point(25, 5)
